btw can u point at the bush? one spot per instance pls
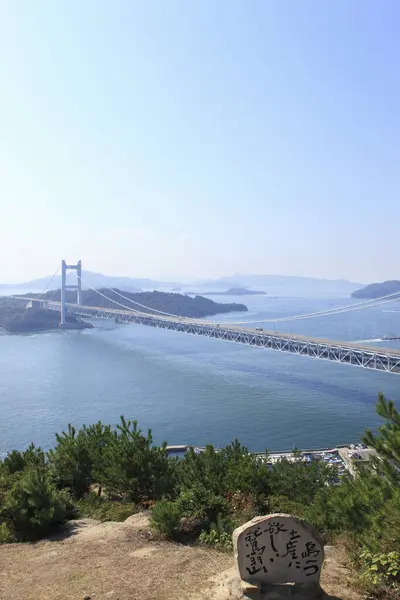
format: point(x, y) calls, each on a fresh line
point(165, 519)
point(232, 469)
point(33, 507)
point(300, 481)
point(283, 504)
point(6, 536)
point(381, 568)
point(16, 461)
point(95, 507)
point(242, 507)
point(201, 503)
point(219, 535)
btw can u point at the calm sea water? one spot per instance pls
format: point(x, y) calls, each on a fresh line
point(195, 390)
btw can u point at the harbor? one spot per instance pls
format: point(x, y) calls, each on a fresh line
point(344, 458)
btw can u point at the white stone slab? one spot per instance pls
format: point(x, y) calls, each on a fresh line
point(278, 549)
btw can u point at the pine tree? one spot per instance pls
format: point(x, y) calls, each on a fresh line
point(16, 461)
point(71, 462)
point(387, 441)
point(33, 507)
point(133, 469)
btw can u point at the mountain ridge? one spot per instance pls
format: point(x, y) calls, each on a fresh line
point(249, 281)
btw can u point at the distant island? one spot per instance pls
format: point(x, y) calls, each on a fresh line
point(15, 317)
point(282, 285)
point(274, 285)
point(377, 290)
point(235, 291)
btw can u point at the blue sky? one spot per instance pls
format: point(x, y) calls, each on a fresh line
point(188, 139)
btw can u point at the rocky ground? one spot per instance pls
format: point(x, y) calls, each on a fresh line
point(120, 561)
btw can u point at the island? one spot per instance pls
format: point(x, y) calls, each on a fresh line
point(377, 290)
point(16, 316)
point(180, 305)
point(238, 291)
point(235, 291)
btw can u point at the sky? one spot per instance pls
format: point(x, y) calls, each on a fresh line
point(178, 139)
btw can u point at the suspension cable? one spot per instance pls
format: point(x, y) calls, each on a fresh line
point(338, 310)
point(107, 298)
point(332, 311)
point(372, 303)
point(162, 312)
point(49, 282)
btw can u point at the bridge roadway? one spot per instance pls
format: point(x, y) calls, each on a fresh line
point(367, 357)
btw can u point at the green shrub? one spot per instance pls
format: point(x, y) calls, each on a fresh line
point(95, 507)
point(202, 503)
point(219, 534)
point(232, 469)
point(17, 461)
point(300, 481)
point(33, 507)
point(6, 536)
point(242, 506)
point(165, 519)
point(283, 504)
point(381, 568)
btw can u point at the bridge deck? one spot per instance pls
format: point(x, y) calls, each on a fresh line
point(243, 329)
point(368, 357)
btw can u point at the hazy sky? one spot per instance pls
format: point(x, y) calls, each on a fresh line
point(200, 137)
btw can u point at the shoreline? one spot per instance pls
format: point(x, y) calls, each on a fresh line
point(344, 457)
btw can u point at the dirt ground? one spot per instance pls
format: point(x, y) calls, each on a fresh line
point(119, 561)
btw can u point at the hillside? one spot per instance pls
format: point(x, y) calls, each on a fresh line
point(175, 304)
point(377, 290)
point(116, 560)
point(117, 473)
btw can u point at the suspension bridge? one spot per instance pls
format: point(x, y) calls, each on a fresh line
point(356, 354)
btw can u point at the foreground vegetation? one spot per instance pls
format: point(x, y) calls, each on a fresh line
point(109, 473)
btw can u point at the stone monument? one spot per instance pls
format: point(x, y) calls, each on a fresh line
point(279, 556)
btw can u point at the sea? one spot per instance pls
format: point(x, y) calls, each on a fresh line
point(195, 390)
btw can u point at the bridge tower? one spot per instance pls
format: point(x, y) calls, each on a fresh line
point(65, 287)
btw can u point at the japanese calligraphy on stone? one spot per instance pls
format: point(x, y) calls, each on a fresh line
point(278, 549)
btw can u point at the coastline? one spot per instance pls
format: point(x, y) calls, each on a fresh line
point(344, 457)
